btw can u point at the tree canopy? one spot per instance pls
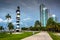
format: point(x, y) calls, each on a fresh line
point(11, 26)
point(52, 25)
point(37, 24)
point(8, 16)
point(1, 27)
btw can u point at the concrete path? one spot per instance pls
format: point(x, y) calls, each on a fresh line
point(39, 36)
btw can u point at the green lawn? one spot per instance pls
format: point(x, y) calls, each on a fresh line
point(4, 36)
point(54, 37)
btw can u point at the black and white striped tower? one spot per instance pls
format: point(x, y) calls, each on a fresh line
point(18, 28)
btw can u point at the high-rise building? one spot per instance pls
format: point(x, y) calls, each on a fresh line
point(43, 15)
point(18, 28)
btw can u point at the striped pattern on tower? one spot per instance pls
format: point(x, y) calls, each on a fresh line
point(18, 19)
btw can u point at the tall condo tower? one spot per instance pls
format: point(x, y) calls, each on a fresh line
point(43, 15)
point(18, 19)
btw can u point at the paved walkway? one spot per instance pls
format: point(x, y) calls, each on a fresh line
point(39, 36)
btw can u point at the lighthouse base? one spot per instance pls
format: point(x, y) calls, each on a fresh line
point(17, 30)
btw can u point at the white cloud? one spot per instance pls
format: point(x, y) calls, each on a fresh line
point(7, 20)
point(27, 19)
point(1, 20)
point(10, 20)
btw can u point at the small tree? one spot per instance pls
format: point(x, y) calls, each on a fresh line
point(1, 27)
point(24, 28)
point(10, 26)
point(37, 23)
point(40, 24)
point(31, 28)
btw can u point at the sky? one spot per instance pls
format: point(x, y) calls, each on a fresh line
point(29, 10)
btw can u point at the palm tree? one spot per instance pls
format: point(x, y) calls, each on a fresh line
point(8, 17)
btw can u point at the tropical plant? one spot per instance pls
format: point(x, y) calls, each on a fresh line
point(8, 16)
point(37, 24)
point(1, 28)
point(52, 25)
point(11, 27)
point(24, 28)
point(58, 28)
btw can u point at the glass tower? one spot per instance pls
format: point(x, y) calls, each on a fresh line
point(43, 15)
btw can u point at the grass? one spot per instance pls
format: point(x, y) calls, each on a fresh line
point(5, 36)
point(54, 37)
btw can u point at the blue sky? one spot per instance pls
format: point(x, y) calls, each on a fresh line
point(29, 10)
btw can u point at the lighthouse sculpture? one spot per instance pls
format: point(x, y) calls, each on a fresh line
point(18, 28)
